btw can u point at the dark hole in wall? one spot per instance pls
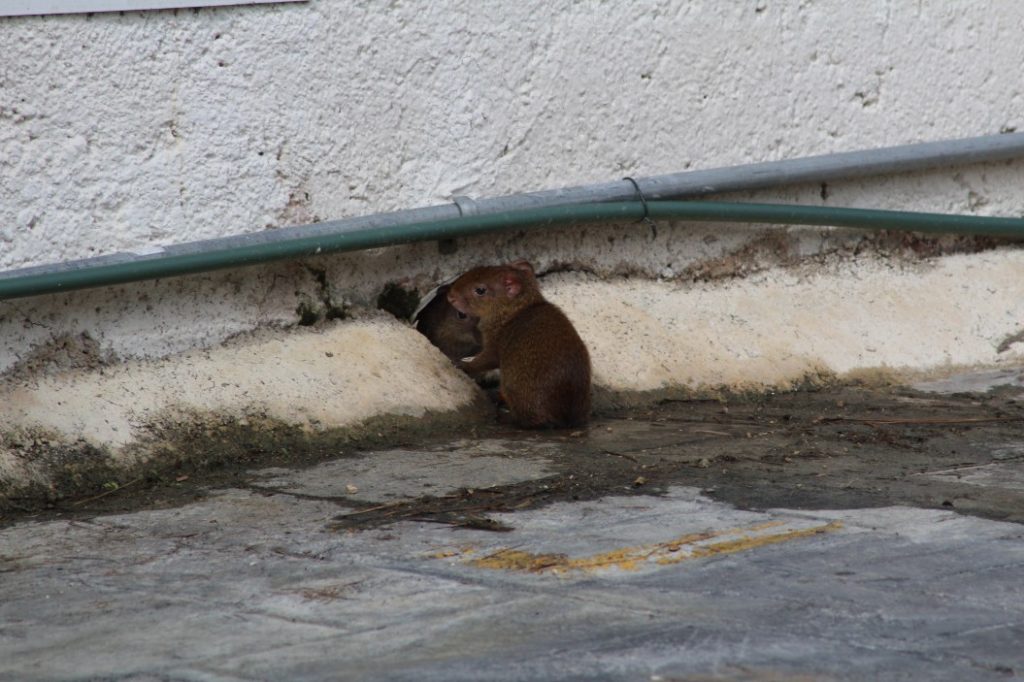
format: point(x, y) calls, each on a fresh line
point(398, 301)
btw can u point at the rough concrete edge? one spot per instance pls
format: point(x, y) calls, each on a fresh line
point(182, 442)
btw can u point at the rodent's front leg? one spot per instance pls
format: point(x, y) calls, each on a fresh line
point(486, 359)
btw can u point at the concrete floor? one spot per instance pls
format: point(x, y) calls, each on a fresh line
point(260, 583)
point(244, 586)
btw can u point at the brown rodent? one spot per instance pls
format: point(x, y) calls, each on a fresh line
point(453, 332)
point(545, 367)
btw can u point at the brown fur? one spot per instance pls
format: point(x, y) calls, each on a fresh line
point(545, 367)
point(454, 333)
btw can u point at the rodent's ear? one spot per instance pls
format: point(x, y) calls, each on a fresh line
point(523, 265)
point(513, 284)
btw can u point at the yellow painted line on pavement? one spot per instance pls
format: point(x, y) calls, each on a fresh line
point(684, 548)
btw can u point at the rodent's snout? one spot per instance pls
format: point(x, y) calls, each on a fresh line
point(458, 304)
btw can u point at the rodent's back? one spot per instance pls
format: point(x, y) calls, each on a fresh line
point(545, 368)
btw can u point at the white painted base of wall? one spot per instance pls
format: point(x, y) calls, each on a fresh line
point(771, 330)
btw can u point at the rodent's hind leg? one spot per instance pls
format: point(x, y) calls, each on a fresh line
point(495, 396)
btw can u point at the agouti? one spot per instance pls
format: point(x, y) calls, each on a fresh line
point(545, 367)
point(453, 332)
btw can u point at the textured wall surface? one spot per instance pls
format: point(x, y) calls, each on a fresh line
point(121, 131)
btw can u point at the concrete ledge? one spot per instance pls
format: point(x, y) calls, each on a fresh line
point(314, 379)
point(776, 327)
point(840, 318)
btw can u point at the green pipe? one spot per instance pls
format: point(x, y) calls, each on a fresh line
point(157, 266)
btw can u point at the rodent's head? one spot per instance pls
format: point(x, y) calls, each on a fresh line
point(483, 290)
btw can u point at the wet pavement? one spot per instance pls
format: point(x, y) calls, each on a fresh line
point(840, 534)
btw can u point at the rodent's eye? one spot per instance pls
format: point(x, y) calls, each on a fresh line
point(480, 291)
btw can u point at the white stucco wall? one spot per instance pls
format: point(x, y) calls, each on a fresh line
point(120, 131)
